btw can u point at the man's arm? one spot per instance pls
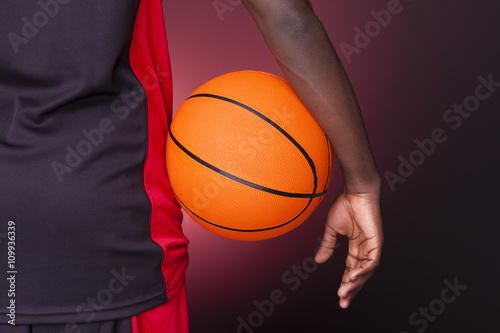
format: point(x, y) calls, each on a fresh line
point(308, 60)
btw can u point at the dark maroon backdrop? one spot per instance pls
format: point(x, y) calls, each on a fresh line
point(439, 267)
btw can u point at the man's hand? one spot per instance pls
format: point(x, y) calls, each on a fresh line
point(356, 215)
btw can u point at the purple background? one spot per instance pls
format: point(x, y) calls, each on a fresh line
point(439, 224)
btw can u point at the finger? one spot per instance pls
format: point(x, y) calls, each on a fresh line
point(347, 286)
point(345, 302)
point(348, 283)
point(365, 262)
point(357, 272)
point(352, 261)
point(327, 245)
point(346, 299)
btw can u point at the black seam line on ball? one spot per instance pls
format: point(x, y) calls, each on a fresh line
point(242, 230)
point(282, 131)
point(240, 180)
point(329, 170)
point(329, 164)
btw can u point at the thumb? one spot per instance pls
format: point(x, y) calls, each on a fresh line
point(327, 245)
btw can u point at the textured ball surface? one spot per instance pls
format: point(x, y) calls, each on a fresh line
point(245, 158)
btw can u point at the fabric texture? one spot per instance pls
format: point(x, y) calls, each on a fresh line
point(170, 317)
point(85, 105)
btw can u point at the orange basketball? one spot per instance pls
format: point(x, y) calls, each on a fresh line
point(245, 158)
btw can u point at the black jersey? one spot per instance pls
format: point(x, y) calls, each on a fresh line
point(89, 227)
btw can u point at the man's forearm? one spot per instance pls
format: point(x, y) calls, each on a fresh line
point(307, 58)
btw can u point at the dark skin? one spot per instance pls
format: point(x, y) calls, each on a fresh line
point(309, 62)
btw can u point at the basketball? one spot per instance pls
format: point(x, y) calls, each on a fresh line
point(245, 158)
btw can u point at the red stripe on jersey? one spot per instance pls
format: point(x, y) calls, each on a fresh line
point(150, 62)
point(170, 317)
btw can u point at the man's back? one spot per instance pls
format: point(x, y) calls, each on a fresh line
point(81, 178)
